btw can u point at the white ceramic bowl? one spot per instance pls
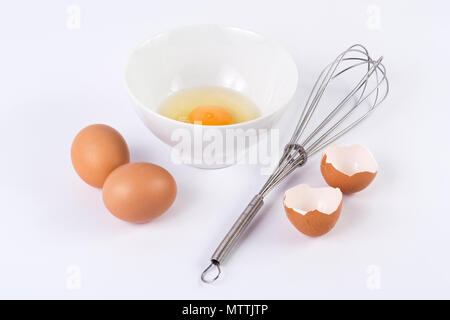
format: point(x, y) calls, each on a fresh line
point(209, 55)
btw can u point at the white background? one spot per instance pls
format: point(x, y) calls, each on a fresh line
point(56, 78)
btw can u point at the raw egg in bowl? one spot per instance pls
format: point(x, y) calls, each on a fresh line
point(213, 78)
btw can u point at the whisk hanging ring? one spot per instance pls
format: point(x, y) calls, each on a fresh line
point(205, 272)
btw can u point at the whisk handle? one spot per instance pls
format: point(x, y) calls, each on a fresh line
point(237, 229)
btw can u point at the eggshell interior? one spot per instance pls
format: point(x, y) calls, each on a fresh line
point(351, 159)
point(303, 199)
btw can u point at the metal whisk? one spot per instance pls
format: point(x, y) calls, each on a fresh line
point(371, 89)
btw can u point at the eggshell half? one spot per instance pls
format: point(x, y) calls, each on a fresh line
point(313, 211)
point(350, 169)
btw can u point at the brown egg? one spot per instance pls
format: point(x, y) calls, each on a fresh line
point(139, 192)
point(96, 151)
point(313, 211)
point(350, 169)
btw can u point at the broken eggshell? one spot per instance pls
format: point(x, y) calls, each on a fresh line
point(349, 168)
point(313, 211)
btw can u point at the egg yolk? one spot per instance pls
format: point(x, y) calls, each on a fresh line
point(210, 116)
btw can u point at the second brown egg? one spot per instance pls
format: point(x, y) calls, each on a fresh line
point(139, 192)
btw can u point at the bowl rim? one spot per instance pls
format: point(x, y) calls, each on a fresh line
point(281, 108)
